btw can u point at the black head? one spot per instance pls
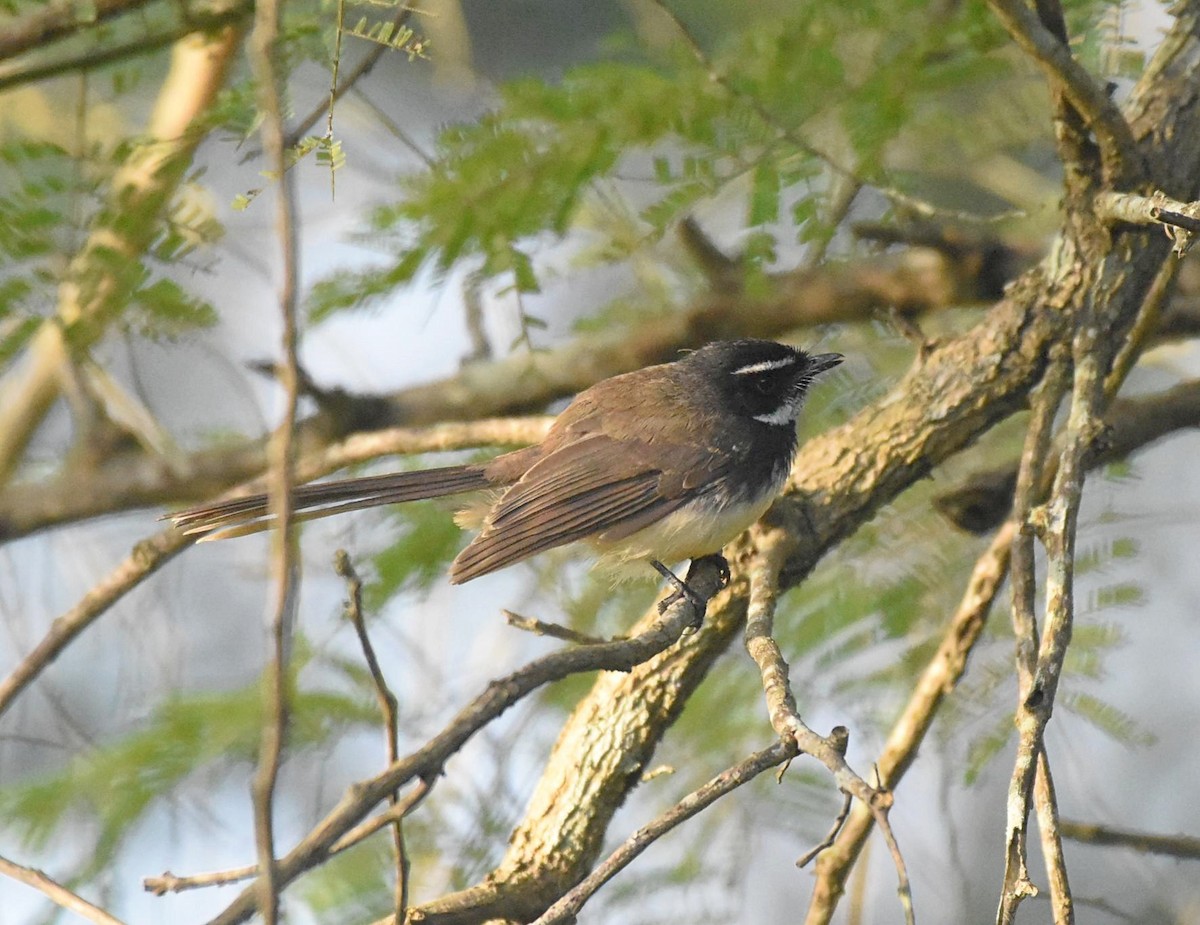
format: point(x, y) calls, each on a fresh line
point(760, 379)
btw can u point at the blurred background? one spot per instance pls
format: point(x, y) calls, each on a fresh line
point(132, 753)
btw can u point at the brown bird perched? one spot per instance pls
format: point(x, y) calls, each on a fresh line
point(662, 464)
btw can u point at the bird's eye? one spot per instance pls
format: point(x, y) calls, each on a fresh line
point(763, 385)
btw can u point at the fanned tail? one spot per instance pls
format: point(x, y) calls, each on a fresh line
point(243, 516)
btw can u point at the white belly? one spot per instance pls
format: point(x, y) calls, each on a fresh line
point(693, 531)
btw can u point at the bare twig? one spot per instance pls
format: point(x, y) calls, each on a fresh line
point(1030, 489)
point(553, 630)
point(171, 883)
point(57, 893)
point(772, 547)
point(146, 558)
point(387, 708)
point(726, 782)
point(839, 823)
point(501, 693)
point(168, 882)
point(908, 732)
point(389, 817)
point(1176, 846)
point(1180, 220)
point(264, 54)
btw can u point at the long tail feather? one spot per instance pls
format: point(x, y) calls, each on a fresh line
point(243, 516)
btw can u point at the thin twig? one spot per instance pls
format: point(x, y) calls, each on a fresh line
point(146, 558)
point(772, 548)
point(1181, 220)
point(553, 630)
point(171, 883)
point(566, 908)
point(839, 823)
point(908, 732)
point(1176, 846)
point(264, 51)
point(500, 694)
point(57, 893)
point(1045, 803)
point(168, 882)
point(387, 707)
point(393, 814)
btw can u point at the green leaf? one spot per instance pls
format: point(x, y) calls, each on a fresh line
point(764, 195)
point(427, 540)
point(117, 782)
point(1106, 717)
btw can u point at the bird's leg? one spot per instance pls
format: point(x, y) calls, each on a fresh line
point(683, 589)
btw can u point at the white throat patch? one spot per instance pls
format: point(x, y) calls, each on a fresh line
point(785, 413)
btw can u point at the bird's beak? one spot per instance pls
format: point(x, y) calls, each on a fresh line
point(822, 362)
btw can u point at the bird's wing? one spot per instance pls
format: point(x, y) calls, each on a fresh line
point(590, 486)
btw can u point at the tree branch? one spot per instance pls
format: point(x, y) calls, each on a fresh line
point(264, 53)
point(55, 21)
point(656, 637)
point(936, 683)
point(565, 910)
point(1121, 157)
point(913, 282)
point(101, 275)
point(57, 893)
point(1176, 846)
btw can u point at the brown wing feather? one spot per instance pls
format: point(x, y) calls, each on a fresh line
point(580, 490)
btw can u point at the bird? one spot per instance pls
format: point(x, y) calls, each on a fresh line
point(663, 464)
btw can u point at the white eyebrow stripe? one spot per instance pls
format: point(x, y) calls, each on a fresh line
point(764, 366)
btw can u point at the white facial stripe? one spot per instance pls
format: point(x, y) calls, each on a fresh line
point(784, 414)
point(765, 366)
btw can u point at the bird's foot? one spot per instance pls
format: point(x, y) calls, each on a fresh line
point(683, 590)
